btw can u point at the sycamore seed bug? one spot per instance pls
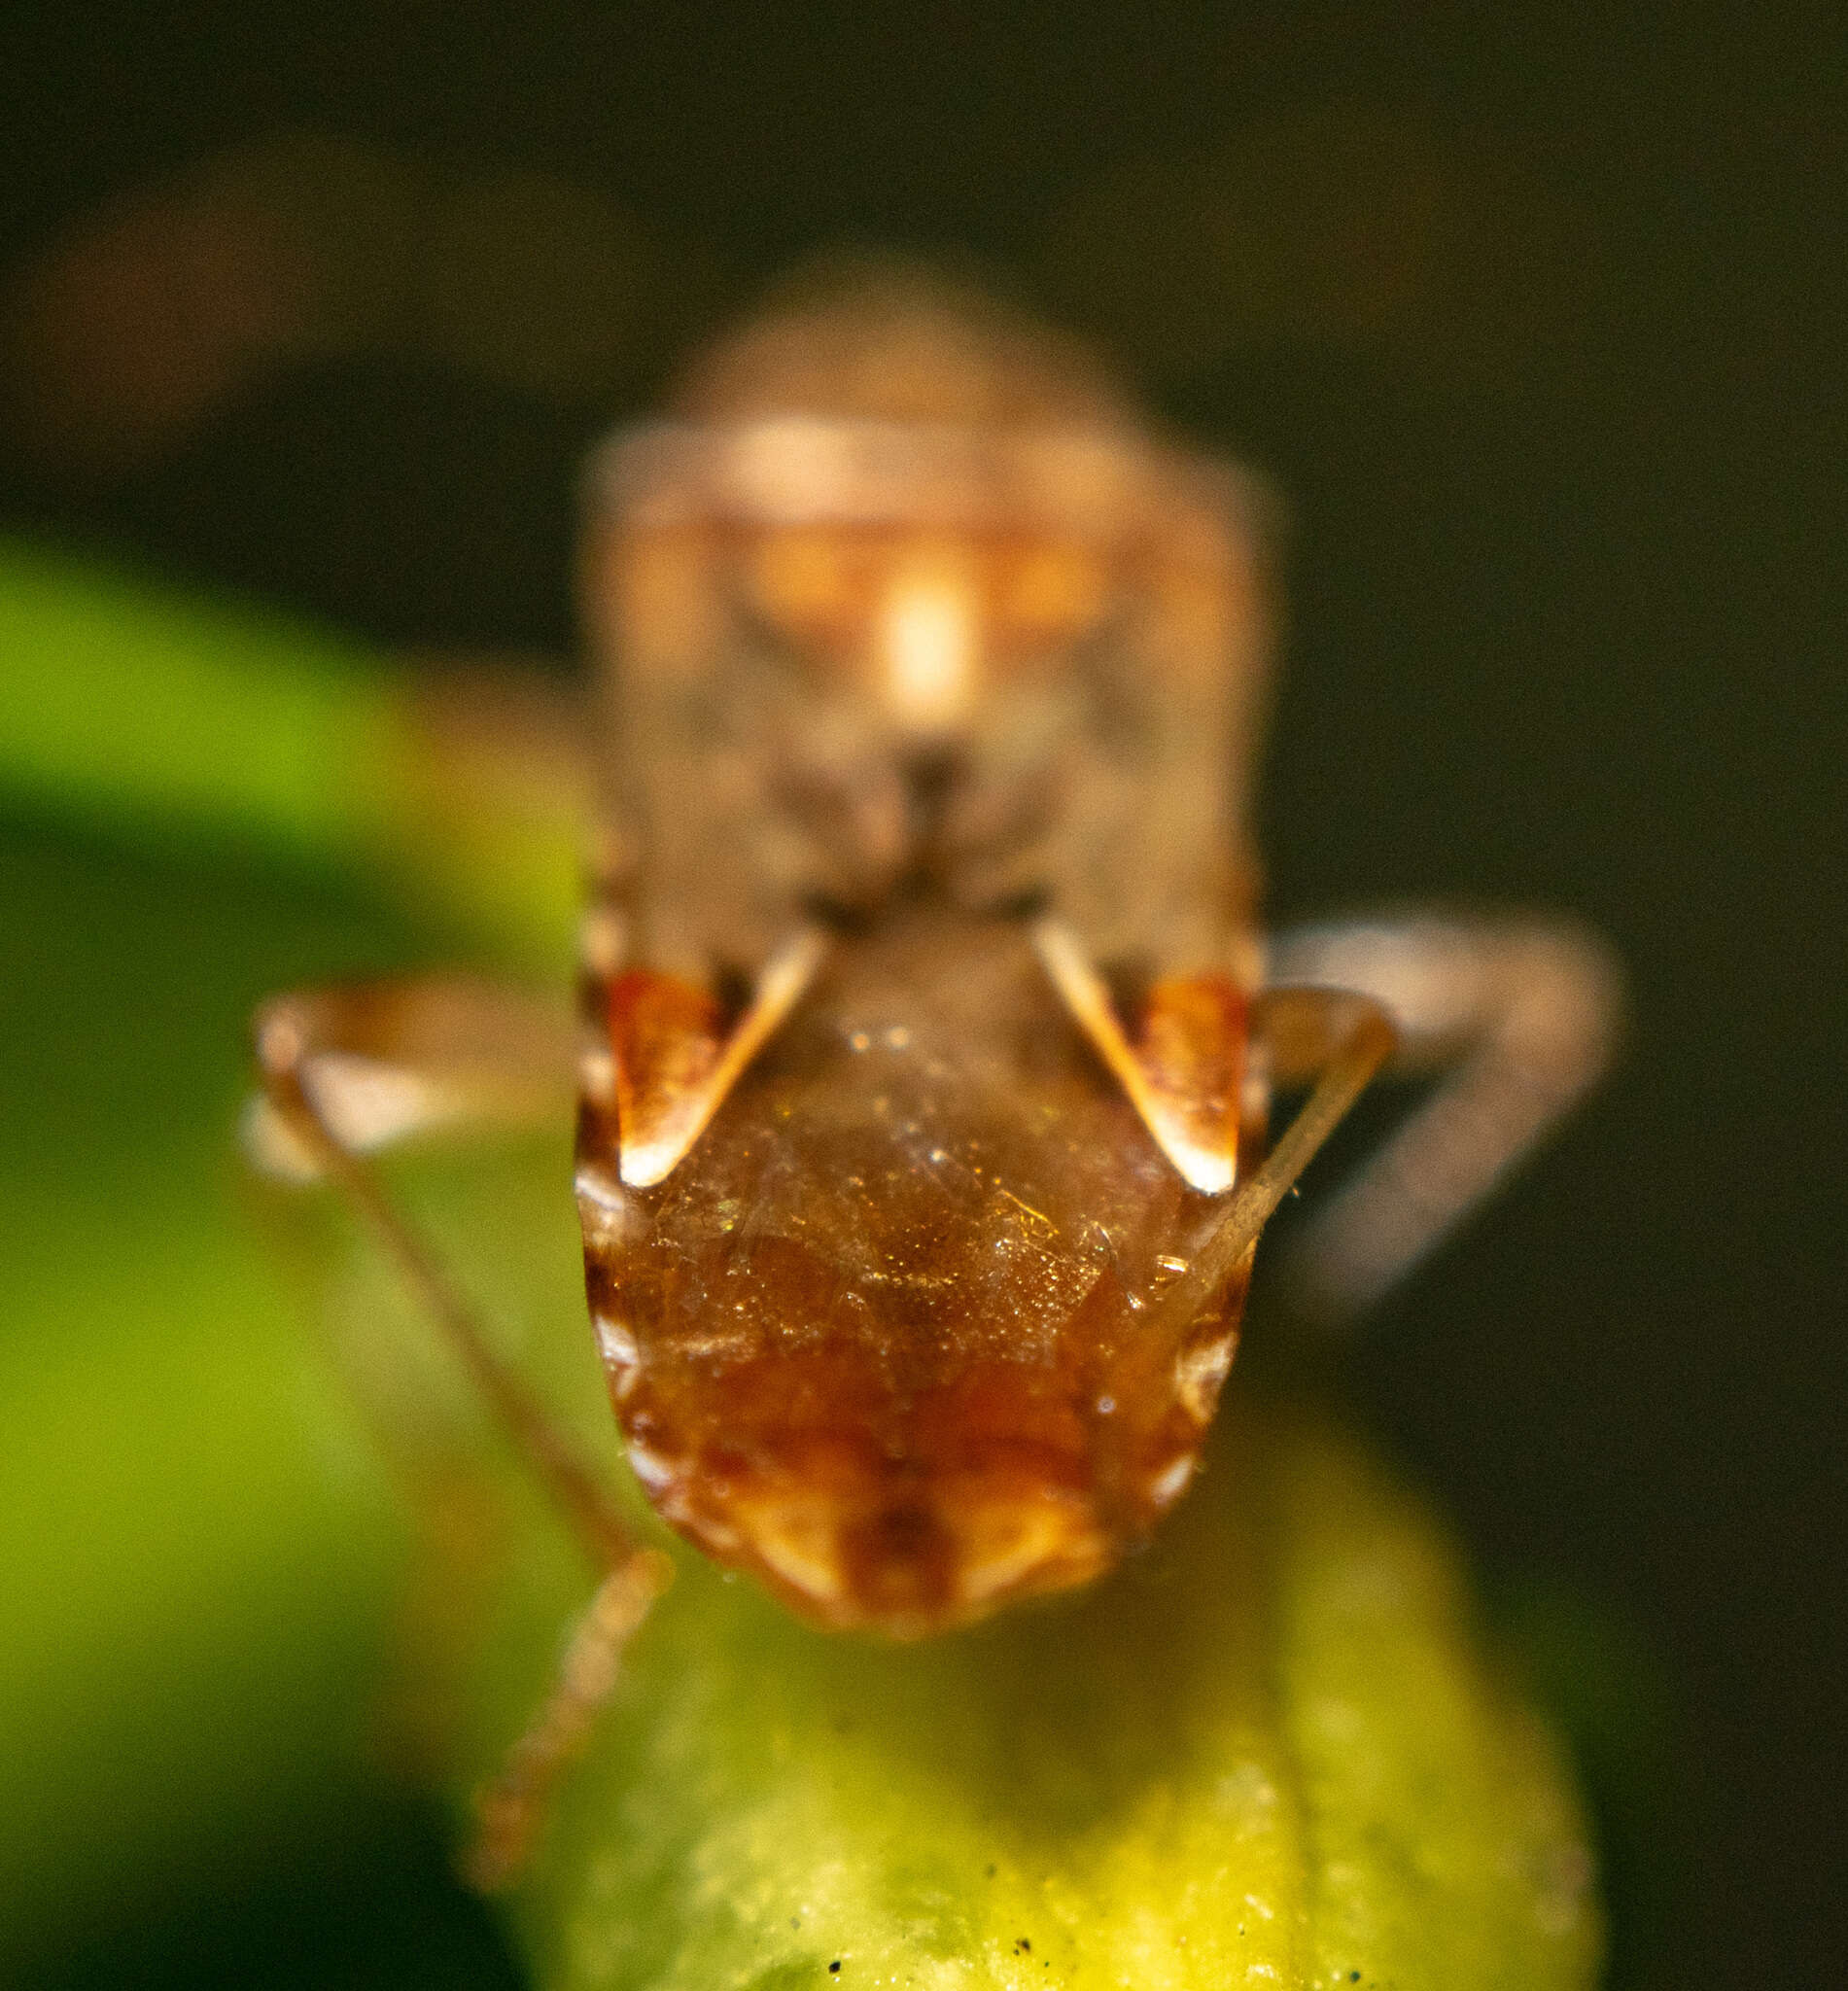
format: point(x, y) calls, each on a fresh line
point(928, 1035)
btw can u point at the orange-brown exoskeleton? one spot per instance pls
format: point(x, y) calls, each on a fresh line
point(928, 1035)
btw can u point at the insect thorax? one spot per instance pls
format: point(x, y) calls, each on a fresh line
point(904, 600)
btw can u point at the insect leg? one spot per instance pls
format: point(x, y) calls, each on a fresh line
point(1344, 1038)
point(300, 1041)
point(386, 1061)
point(1518, 1015)
point(510, 1810)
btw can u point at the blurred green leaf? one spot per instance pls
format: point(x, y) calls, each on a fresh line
point(197, 1551)
point(125, 702)
point(197, 727)
point(1604, 1681)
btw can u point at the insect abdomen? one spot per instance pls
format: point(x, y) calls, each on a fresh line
point(888, 1337)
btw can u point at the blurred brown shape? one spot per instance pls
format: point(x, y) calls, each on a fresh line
point(140, 317)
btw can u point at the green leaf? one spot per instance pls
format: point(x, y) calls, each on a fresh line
point(1272, 1751)
point(194, 726)
point(197, 1550)
point(128, 701)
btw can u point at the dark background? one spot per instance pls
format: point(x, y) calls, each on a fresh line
point(1530, 321)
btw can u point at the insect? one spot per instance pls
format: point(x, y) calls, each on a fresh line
point(927, 1037)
